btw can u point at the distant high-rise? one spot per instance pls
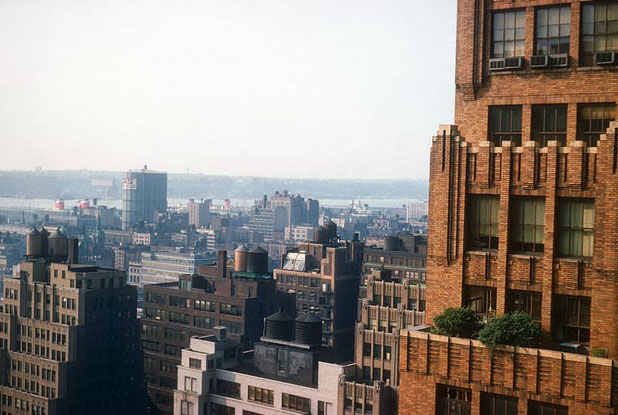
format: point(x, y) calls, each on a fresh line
point(144, 193)
point(199, 212)
point(69, 338)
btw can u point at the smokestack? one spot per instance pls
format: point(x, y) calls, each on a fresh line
point(73, 256)
point(222, 263)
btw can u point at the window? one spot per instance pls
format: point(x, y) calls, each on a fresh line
point(542, 408)
point(195, 363)
point(227, 388)
point(149, 345)
point(549, 123)
point(377, 351)
point(232, 309)
point(367, 349)
point(509, 34)
point(216, 409)
point(366, 373)
point(296, 403)
point(553, 30)
point(178, 317)
point(204, 305)
point(453, 401)
point(321, 408)
point(575, 227)
point(492, 404)
point(202, 322)
point(480, 299)
point(256, 394)
point(593, 120)
point(505, 124)
point(526, 301)
point(179, 301)
point(599, 29)
point(172, 350)
point(527, 225)
point(190, 384)
point(233, 327)
point(186, 408)
point(483, 222)
point(387, 352)
point(572, 319)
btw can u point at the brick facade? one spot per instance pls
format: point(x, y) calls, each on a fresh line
point(466, 165)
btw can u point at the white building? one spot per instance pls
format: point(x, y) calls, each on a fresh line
point(212, 380)
point(298, 233)
point(417, 209)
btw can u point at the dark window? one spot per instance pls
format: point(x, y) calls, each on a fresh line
point(593, 120)
point(175, 317)
point(377, 351)
point(575, 227)
point(256, 394)
point(227, 388)
point(526, 301)
point(599, 29)
point(233, 327)
point(505, 124)
point(549, 123)
point(553, 30)
point(387, 352)
point(232, 309)
point(179, 301)
point(480, 299)
point(527, 225)
point(203, 322)
point(492, 404)
point(366, 349)
point(572, 319)
point(296, 403)
point(542, 408)
point(509, 34)
point(482, 222)
point(453, 401)
point(216, 409)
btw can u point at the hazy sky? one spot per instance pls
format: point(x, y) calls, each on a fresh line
point(286, 88)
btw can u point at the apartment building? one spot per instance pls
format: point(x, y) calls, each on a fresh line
point(237, 296)
point(69, 339)
point(324, 275)
point(523, 214)
point(284, 374)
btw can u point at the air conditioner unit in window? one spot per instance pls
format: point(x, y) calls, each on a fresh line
point(539, 61)
point(502, 64)
point(605, 58)
point(559, 60)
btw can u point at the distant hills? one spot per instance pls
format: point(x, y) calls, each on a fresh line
point(86, 183)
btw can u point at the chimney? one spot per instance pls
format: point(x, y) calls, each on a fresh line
point(222, 263)
point(73, 256)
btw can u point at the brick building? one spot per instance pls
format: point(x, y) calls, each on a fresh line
point(523, 213)
point(69, 339)
point(238, 297)
point(324, 275)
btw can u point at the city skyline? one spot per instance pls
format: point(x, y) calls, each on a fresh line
point(251, 80)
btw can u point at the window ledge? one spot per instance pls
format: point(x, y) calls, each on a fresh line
point(492, 252)
point(574, 259)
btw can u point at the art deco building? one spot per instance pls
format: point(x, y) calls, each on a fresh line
point(69, 338)
point(523, 214)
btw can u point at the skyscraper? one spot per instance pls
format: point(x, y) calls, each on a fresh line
point(144, 193)
point(523, 214)
point(69, 338)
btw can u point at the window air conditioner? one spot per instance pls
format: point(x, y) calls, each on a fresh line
point(539, 61)
point(605, 58)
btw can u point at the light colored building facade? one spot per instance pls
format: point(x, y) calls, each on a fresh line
point(210, 383)
point(199, 212)
point(298, 233)
point(144, 193)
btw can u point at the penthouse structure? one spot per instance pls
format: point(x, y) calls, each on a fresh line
point(287, 372)
point(237, 297)
point(69, 339)
point(324, 275)
point(523, 215)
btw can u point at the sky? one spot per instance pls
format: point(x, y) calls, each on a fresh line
point(277, 88)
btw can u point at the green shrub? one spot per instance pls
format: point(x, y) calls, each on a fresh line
point(511, 329)
point(457, 322)
point(600, 353)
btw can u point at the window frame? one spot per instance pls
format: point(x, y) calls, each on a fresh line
point(592, 134)
point(520, 228)
point(474, 228)
point(497, 117)
point(563, 328)
point(588, 29)
point(549, 37)
point(541, 132)
point(499, 34)
point(496, 404)
point(581, 246)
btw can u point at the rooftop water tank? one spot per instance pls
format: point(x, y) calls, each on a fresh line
point(308, 329)
point(278, 326)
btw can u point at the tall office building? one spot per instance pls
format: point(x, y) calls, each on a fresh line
point(144, 193)
point(523, 214)
point(69, 338)
point(199, 212)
